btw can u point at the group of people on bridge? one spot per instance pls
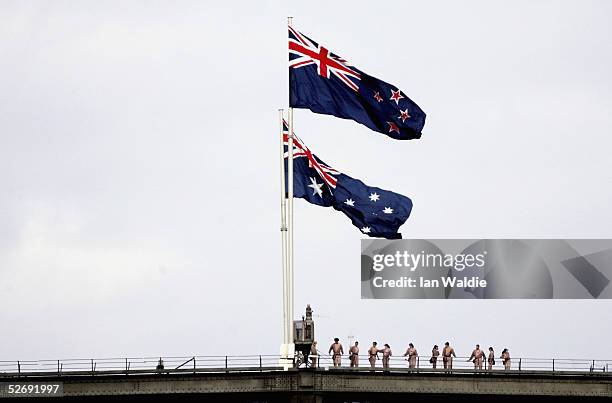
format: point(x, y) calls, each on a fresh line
point(478, 356)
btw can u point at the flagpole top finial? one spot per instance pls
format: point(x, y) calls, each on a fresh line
point(289, 20)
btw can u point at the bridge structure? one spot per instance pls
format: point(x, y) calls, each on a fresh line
point(268, 379)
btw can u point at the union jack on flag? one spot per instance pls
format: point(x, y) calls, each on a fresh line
point(301, 150)
point(305, 52)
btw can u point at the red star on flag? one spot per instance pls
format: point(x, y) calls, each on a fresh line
point(404, 115)
point(393, 127)
point(396, 96)
point(377, 96)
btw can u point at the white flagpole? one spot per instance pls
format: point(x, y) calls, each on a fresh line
point(290, 231)
point(290, 220)
point(283, 225)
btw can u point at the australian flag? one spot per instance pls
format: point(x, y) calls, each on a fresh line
point(376, 212)
point(325, 83)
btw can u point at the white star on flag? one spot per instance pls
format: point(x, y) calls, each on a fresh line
point(316, 187)
point(388, 210)
point(374, 197)
point(366, 230)
point(350, 202)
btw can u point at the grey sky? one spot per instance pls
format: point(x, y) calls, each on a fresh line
point(139, 170)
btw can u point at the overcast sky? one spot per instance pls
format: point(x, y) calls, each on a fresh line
point(139, 172)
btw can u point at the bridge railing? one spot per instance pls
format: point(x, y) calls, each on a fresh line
point(138, 364)
point(201, 363)
point(464, 363)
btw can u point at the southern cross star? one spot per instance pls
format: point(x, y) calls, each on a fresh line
point(388, 210)
point(366, 230)
point(393, 127)
point(316, 187)
point(374, 197)
point(404, 115)
point(350, 202)
point(396, 96)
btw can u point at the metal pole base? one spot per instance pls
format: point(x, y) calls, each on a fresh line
point(287, 354)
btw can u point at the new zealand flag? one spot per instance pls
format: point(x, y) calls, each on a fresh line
point(325, 83)
point(376, 212)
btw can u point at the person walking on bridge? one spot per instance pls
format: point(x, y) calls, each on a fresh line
point(505, 356)
point(447, 356)
point(477, 358)
point(412, 356)
point(491, 359)
point(314, 354)
point(435, 352)
point(386, 355)
point(373, 355)
point(337, 350)
point(354, 355)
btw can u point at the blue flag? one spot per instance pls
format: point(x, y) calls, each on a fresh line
point(376, 212)
point(325, 83)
